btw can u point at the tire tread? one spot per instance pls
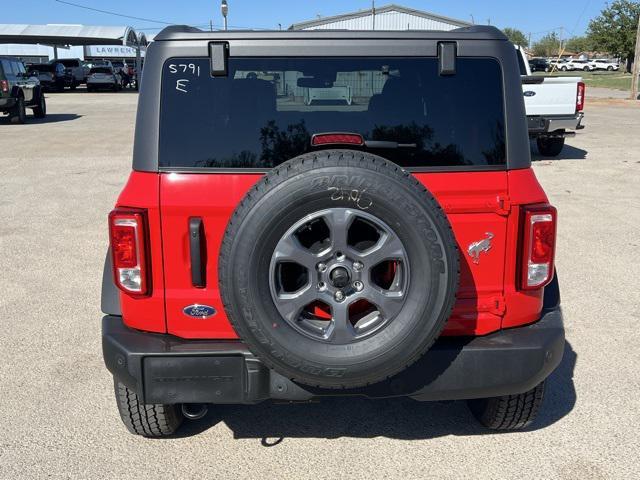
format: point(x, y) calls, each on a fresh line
point(509, 412)
point(148, 420)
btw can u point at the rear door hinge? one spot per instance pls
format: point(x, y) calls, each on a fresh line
point(504, 205)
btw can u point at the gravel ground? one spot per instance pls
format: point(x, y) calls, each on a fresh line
point(58, 418)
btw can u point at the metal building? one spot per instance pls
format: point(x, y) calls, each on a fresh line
point(388, 17)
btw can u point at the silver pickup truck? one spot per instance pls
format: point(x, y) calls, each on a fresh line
point(554, 106)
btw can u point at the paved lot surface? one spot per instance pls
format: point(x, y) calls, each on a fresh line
point(58, 418)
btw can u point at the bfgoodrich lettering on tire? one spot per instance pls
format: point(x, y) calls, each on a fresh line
point(338, 269)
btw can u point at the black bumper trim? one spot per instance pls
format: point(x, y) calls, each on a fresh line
point(167, 369)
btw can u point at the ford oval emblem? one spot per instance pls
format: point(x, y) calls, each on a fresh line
point(199, 311)
point(529, 93)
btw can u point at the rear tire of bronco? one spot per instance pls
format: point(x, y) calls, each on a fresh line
point(509, 412)
point(19, 114)
point(148, 420)
point(338, 269)
point(550, 146)
point(41, 110)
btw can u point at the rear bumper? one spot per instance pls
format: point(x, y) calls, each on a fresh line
point(556, 125)
point(167, 369)
point(101, 83)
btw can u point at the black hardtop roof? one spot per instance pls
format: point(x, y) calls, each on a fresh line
point(475, 32)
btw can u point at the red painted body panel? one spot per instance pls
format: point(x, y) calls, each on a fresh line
point(213, 197)
point(475, 203)
point(146, 313)
point(522, 306)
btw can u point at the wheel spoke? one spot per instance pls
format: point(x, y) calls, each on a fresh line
point(341, 329)
point(289, 249)
point(389, 247)
point(291, 304)
point(388, 303)
point(339, 220)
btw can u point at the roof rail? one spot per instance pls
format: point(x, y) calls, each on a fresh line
point(489, 29)
point(178, 29)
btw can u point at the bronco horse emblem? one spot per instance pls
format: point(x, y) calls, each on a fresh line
point(480, 246)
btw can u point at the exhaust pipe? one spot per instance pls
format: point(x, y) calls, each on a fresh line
point(194, 411)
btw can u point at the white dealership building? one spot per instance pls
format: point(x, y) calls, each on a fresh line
point(41, 43)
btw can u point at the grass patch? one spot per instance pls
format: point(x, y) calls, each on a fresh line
point(614, 80)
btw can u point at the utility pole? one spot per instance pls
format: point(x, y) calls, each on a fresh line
point(224, 8)
point(636, 66)
point(373, 14)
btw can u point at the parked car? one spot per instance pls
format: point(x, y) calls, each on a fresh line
point(557, 64)
point(75, 68)
point(103, 78)
point(577, 64)
point(52, 76)
point(263, 248)
point(604, 64)
point(18, 91)
point(554, 107)
point(101, 63)
point(539, 65)
point(118, 65)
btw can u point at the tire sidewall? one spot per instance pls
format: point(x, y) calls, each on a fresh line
point(430, 271)
point(20, 112)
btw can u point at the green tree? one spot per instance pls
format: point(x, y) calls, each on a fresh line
point(614, 30)
point(579, 44)
point(547, 46)
point(517, 37)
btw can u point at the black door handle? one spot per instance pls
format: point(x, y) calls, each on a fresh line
point(198, 252)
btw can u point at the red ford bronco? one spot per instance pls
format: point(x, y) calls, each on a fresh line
point(330, 213)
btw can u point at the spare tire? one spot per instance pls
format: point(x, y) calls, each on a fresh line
point(338, 269)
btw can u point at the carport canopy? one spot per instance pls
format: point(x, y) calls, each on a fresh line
point(61, 35)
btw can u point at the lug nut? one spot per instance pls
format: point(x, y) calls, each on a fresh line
point(357, 266)
point(321, 267)
point(339, 296)
point(358, 285)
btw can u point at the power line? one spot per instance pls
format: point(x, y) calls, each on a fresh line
point(149, 19)
point(113, 13)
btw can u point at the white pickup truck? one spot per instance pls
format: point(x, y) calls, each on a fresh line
point(554, 106)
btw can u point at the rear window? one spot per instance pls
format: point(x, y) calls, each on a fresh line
point(69, 63)
point(100, 70)
point(266, 110)
point(42, 68)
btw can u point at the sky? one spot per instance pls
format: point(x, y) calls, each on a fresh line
point(536, 17)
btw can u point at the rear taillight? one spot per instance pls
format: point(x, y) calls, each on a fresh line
point(538, 246)
point(128, 238)
point(580, 97)
point(4, 85)
point(336, 138)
